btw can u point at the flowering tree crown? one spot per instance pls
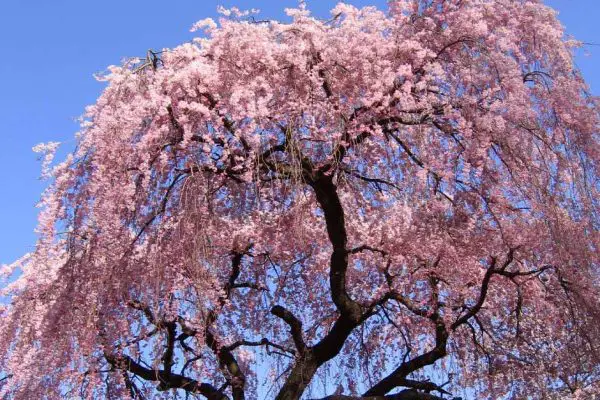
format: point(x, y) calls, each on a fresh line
point(400, 204)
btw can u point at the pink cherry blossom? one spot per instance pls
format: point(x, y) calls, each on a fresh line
point(398, 204)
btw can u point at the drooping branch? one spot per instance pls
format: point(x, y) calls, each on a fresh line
point(342, 148)
point(227, 361)
point(161, 208)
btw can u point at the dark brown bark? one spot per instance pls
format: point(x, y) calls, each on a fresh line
point(167, 380)
point(351, 313)
point(409, 394)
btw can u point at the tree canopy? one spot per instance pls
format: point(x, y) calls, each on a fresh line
point(398, 204)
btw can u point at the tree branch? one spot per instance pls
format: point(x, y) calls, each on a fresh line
point(484, 287)
point(167, 380)
point(398, 376)
point(295, 326)
point(329, 202)
point(409, 394)
point(262, 342)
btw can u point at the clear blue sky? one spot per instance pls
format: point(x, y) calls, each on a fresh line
point(51, 49)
